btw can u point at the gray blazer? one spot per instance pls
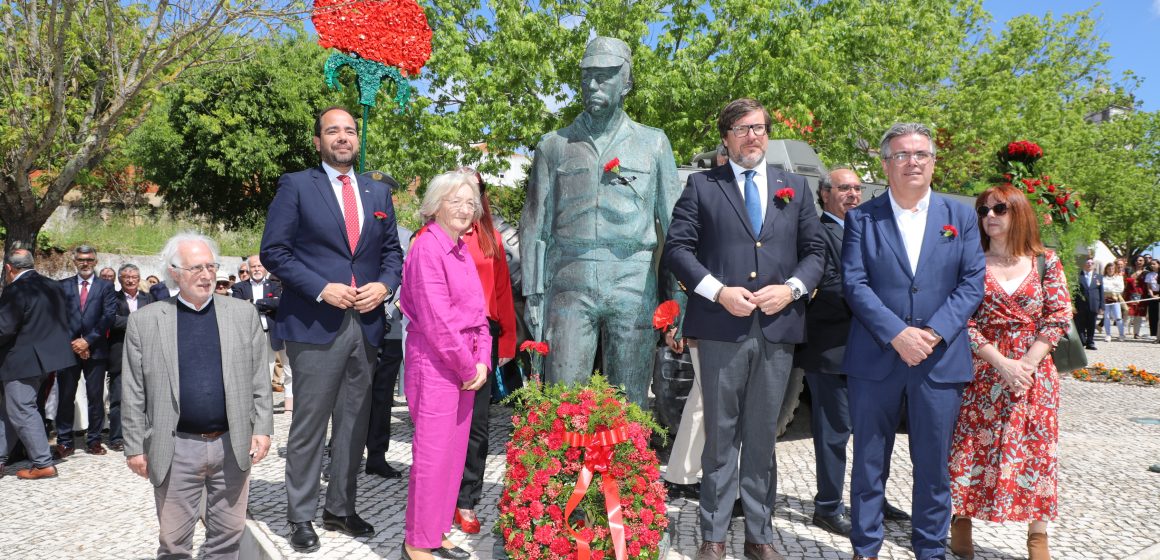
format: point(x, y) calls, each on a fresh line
point(149, 407)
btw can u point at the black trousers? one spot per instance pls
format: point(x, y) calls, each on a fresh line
point(386, 375)
point(831, 426)
point(68, 380)
point(1153, 316)
point(472, 486)
point(116, 433)
point(1085, 323)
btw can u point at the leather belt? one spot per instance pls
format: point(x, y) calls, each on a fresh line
point(210, 436)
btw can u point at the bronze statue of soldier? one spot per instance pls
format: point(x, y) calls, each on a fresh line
point(600, 194)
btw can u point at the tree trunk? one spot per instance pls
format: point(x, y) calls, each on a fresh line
point(21, 233)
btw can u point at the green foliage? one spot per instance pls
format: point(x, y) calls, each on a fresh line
point(218, 143)
point(143, 235)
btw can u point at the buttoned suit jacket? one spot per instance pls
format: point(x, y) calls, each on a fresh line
point(36, 328)
point(1090, 296)
point(710, 234)
point(827, 316)
point(267, 304)
point(97, 317)
point(150, 381)
point(120, 322)
point(886, 297)
point(305, 245)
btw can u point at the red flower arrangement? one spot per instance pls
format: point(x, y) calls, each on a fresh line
point(1055, 203)
point(613, 166)
point(530, 346)
point(785, 194)
point(393, 32)
point(950, 231)
point(665, 315)
point(1022, 151)
point(564, 440)
point(380, 216)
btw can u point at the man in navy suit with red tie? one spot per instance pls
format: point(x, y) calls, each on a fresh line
point(330, 238)
point(746, 237)
point(913, 272)
point(94, 301)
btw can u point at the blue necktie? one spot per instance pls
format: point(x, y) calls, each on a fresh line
point(752, 201)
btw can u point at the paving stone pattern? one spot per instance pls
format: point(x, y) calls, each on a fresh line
point(1109, 502)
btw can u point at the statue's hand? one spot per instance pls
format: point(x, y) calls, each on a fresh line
point(534, 314)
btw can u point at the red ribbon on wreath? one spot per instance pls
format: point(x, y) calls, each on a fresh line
point(598, 449)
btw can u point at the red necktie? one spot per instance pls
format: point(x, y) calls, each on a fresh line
point(350, 215)
point(84, 293)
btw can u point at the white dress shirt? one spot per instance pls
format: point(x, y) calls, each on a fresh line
point(131, 301)
point(709, 286)
point(912, 225)
point(336, 185)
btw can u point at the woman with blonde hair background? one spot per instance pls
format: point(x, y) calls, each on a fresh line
point(1004, 452)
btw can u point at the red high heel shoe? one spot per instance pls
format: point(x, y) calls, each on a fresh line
point(467, 521)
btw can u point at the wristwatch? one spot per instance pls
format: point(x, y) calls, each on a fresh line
point(795, 291)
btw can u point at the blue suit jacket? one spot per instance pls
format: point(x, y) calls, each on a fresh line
point(886, 297)
point(710, 234)
point(1090, 295)
point(98, 315)
point(305, 246)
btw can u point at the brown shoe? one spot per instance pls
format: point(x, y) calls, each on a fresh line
point(710, 550)
point(962, 545)
point(1037, 547)
point(96, 449)
point(36, 473)
point(62, 451)
point(755, 551)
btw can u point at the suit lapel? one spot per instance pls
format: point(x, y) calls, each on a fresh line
point(322, 183)
point(937, 215)
point(728, 185)
point(775, 180)
point(168, 328)
point(888, 229)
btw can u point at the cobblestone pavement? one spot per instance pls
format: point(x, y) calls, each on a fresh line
point(1109, 502)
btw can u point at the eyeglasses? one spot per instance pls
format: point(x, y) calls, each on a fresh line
point(211, 268)
point(465, 203)
point(742, 131)
point(901, 158)
point(999, 210)
point(85, 260)
point(846, 188)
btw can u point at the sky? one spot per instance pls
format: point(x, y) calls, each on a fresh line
point(1130, 27)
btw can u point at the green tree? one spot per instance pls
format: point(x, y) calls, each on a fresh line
point(217, 143)
point(76, 76)
point(1123, 169)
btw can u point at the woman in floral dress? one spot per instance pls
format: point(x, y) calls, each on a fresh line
point(1004, 454)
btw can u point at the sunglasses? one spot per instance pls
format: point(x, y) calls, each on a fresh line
point(999, 210)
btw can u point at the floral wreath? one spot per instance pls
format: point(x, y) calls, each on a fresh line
point(392, 32)
point(581, 481)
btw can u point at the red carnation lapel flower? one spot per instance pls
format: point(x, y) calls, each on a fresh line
point(785, 194)
point(380, 216)
point(613, 166)
point(270, 295)
point(665, 315)
point(530, 346)
point(950, 231)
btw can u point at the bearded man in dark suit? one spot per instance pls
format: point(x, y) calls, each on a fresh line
point(746, 237)
point(330, 238)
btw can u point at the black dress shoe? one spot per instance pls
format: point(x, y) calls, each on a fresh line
point(453, 553)
point(711, 551)
point(1090, 347)
point(302, 536)
point(385, 471)
point(838, 523)
point(352, 524)
point(894, 514)
point(686, 491)
point(117, 446)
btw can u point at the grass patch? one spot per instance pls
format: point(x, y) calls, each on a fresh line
point(144, 235)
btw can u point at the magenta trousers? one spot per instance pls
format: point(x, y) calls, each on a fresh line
point(441, 413)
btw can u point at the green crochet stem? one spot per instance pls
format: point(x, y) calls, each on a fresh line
point(370, 79)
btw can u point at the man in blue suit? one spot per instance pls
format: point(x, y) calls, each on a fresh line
point(330, 237)
point(913, 274)
point(94, 300)
point(1089, 300)
point(747, 238)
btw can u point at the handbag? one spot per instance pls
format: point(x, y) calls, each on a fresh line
point(1068, 353)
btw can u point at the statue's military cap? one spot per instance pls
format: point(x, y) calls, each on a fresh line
point(606, 52)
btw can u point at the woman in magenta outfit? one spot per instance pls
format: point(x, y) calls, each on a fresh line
point(448, 347)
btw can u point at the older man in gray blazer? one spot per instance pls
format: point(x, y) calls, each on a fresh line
point(197, 403)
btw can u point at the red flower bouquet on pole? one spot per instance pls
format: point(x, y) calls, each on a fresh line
point(581, 481)
point(1055, 203)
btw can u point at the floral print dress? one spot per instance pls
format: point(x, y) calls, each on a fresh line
point(1004, 454)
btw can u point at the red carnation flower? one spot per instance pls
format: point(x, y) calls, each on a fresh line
point(613, 166)
point(665, 315)
point(785, 194)
point(380, 216)
point(950, 231)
